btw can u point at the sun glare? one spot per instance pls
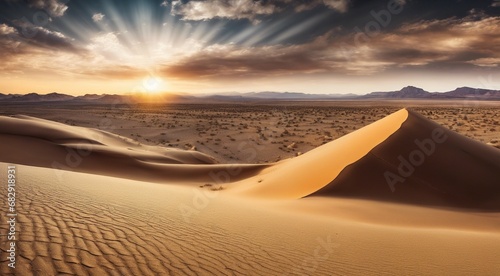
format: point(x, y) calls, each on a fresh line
point(153, 84)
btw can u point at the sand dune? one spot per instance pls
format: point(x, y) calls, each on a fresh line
point(424, 164)
point(36, 142)
point(402, 158)
point(305, 174)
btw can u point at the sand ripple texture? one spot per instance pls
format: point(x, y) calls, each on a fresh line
point(93, 225)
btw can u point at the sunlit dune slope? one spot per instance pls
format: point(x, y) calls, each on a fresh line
point(301, 176)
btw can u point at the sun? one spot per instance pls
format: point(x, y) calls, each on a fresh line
point(153, 84)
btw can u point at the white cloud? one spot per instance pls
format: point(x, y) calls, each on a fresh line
point(9, 38)
point(6, 30)
point(486, 62)
point(97, 17)
point(232, 9)
point(105, 42)
point(339, 5)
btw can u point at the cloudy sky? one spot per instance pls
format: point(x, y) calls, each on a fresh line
point(317, 46)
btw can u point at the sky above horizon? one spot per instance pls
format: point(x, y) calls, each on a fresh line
point(316, 46)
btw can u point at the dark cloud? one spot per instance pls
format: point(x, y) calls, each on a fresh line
point(338, 5)
point(53, 7)
point(244, 64)
point(40, 37)
point(449, 42)
point(405, 55)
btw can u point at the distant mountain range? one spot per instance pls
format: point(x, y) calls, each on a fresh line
point(34, 97)
point(409, 92)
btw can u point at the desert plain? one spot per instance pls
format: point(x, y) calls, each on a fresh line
point(254, 188)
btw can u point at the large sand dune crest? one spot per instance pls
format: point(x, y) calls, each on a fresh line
point(301, 176)
point(424, 163)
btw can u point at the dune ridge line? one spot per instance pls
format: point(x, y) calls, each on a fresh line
point(303, 175)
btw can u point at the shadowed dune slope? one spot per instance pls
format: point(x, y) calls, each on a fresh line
point(36, 142)
point(424, 163)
